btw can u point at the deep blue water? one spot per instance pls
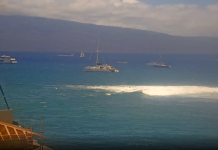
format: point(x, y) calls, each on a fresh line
point(139, 107)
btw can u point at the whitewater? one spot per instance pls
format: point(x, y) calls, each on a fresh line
point(186, 91)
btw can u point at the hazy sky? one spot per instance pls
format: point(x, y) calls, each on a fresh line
point(198, 2)
point(175, 17)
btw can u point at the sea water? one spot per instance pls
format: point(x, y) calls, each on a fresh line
point(141, 107)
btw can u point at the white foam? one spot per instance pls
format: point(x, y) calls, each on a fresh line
point(196, 91)
point(108, 94)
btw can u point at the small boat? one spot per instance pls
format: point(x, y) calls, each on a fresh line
point(159, 64)
point(7, 60)
point(96, 69)
point(66, 55)
point(82, 54)
point(162, 65)
point(122, 62)
point(99, 67)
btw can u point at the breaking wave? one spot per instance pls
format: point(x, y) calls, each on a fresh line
point(193, 91)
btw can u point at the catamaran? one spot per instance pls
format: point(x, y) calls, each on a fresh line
point(162, 65)
point(99, 67)
point(159, 64)
point(82, 54)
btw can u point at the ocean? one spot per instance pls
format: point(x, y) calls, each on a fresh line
point(141, 107)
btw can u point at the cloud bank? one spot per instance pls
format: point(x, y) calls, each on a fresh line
point(179, 19)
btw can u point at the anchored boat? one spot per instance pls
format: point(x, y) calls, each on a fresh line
point(7, 60)
point(82, 54)
point(99, 67)
point(159, 64)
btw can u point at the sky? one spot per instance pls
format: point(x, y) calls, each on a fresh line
point(174, 17)
point(198, 2)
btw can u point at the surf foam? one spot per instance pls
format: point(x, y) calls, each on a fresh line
point(196, 91)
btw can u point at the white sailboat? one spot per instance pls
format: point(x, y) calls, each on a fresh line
point(161, 64)
point(99, 67)
point(82, 54)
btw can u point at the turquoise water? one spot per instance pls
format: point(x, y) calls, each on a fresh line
point(139, 107)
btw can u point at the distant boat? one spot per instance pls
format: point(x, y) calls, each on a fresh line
point(67, 55)
point(159, 64)
point(82, 54)
point(122, 62)
point(162, 65)
point(7, 60)
point(99, 67)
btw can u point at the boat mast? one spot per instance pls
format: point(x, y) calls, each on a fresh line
point(97, 50)
point(160, 57)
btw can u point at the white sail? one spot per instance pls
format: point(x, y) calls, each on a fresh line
point(82, 54)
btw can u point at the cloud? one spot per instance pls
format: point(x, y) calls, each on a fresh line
point(178, 19)
point(130, 1)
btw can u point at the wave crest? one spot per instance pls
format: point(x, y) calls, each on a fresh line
point(196, 91)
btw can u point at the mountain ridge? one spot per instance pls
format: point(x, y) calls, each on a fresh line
point(21, 33)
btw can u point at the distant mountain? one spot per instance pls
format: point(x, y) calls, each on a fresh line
point(19, 33)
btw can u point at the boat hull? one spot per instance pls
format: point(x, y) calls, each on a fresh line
point(93, 69)
point(7, 60)
point(159, 66)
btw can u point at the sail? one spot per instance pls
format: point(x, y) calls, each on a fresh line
point(82, 54)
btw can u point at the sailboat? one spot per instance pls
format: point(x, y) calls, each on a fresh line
point(161, 64)
point(99, 67)
point(82, 54)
